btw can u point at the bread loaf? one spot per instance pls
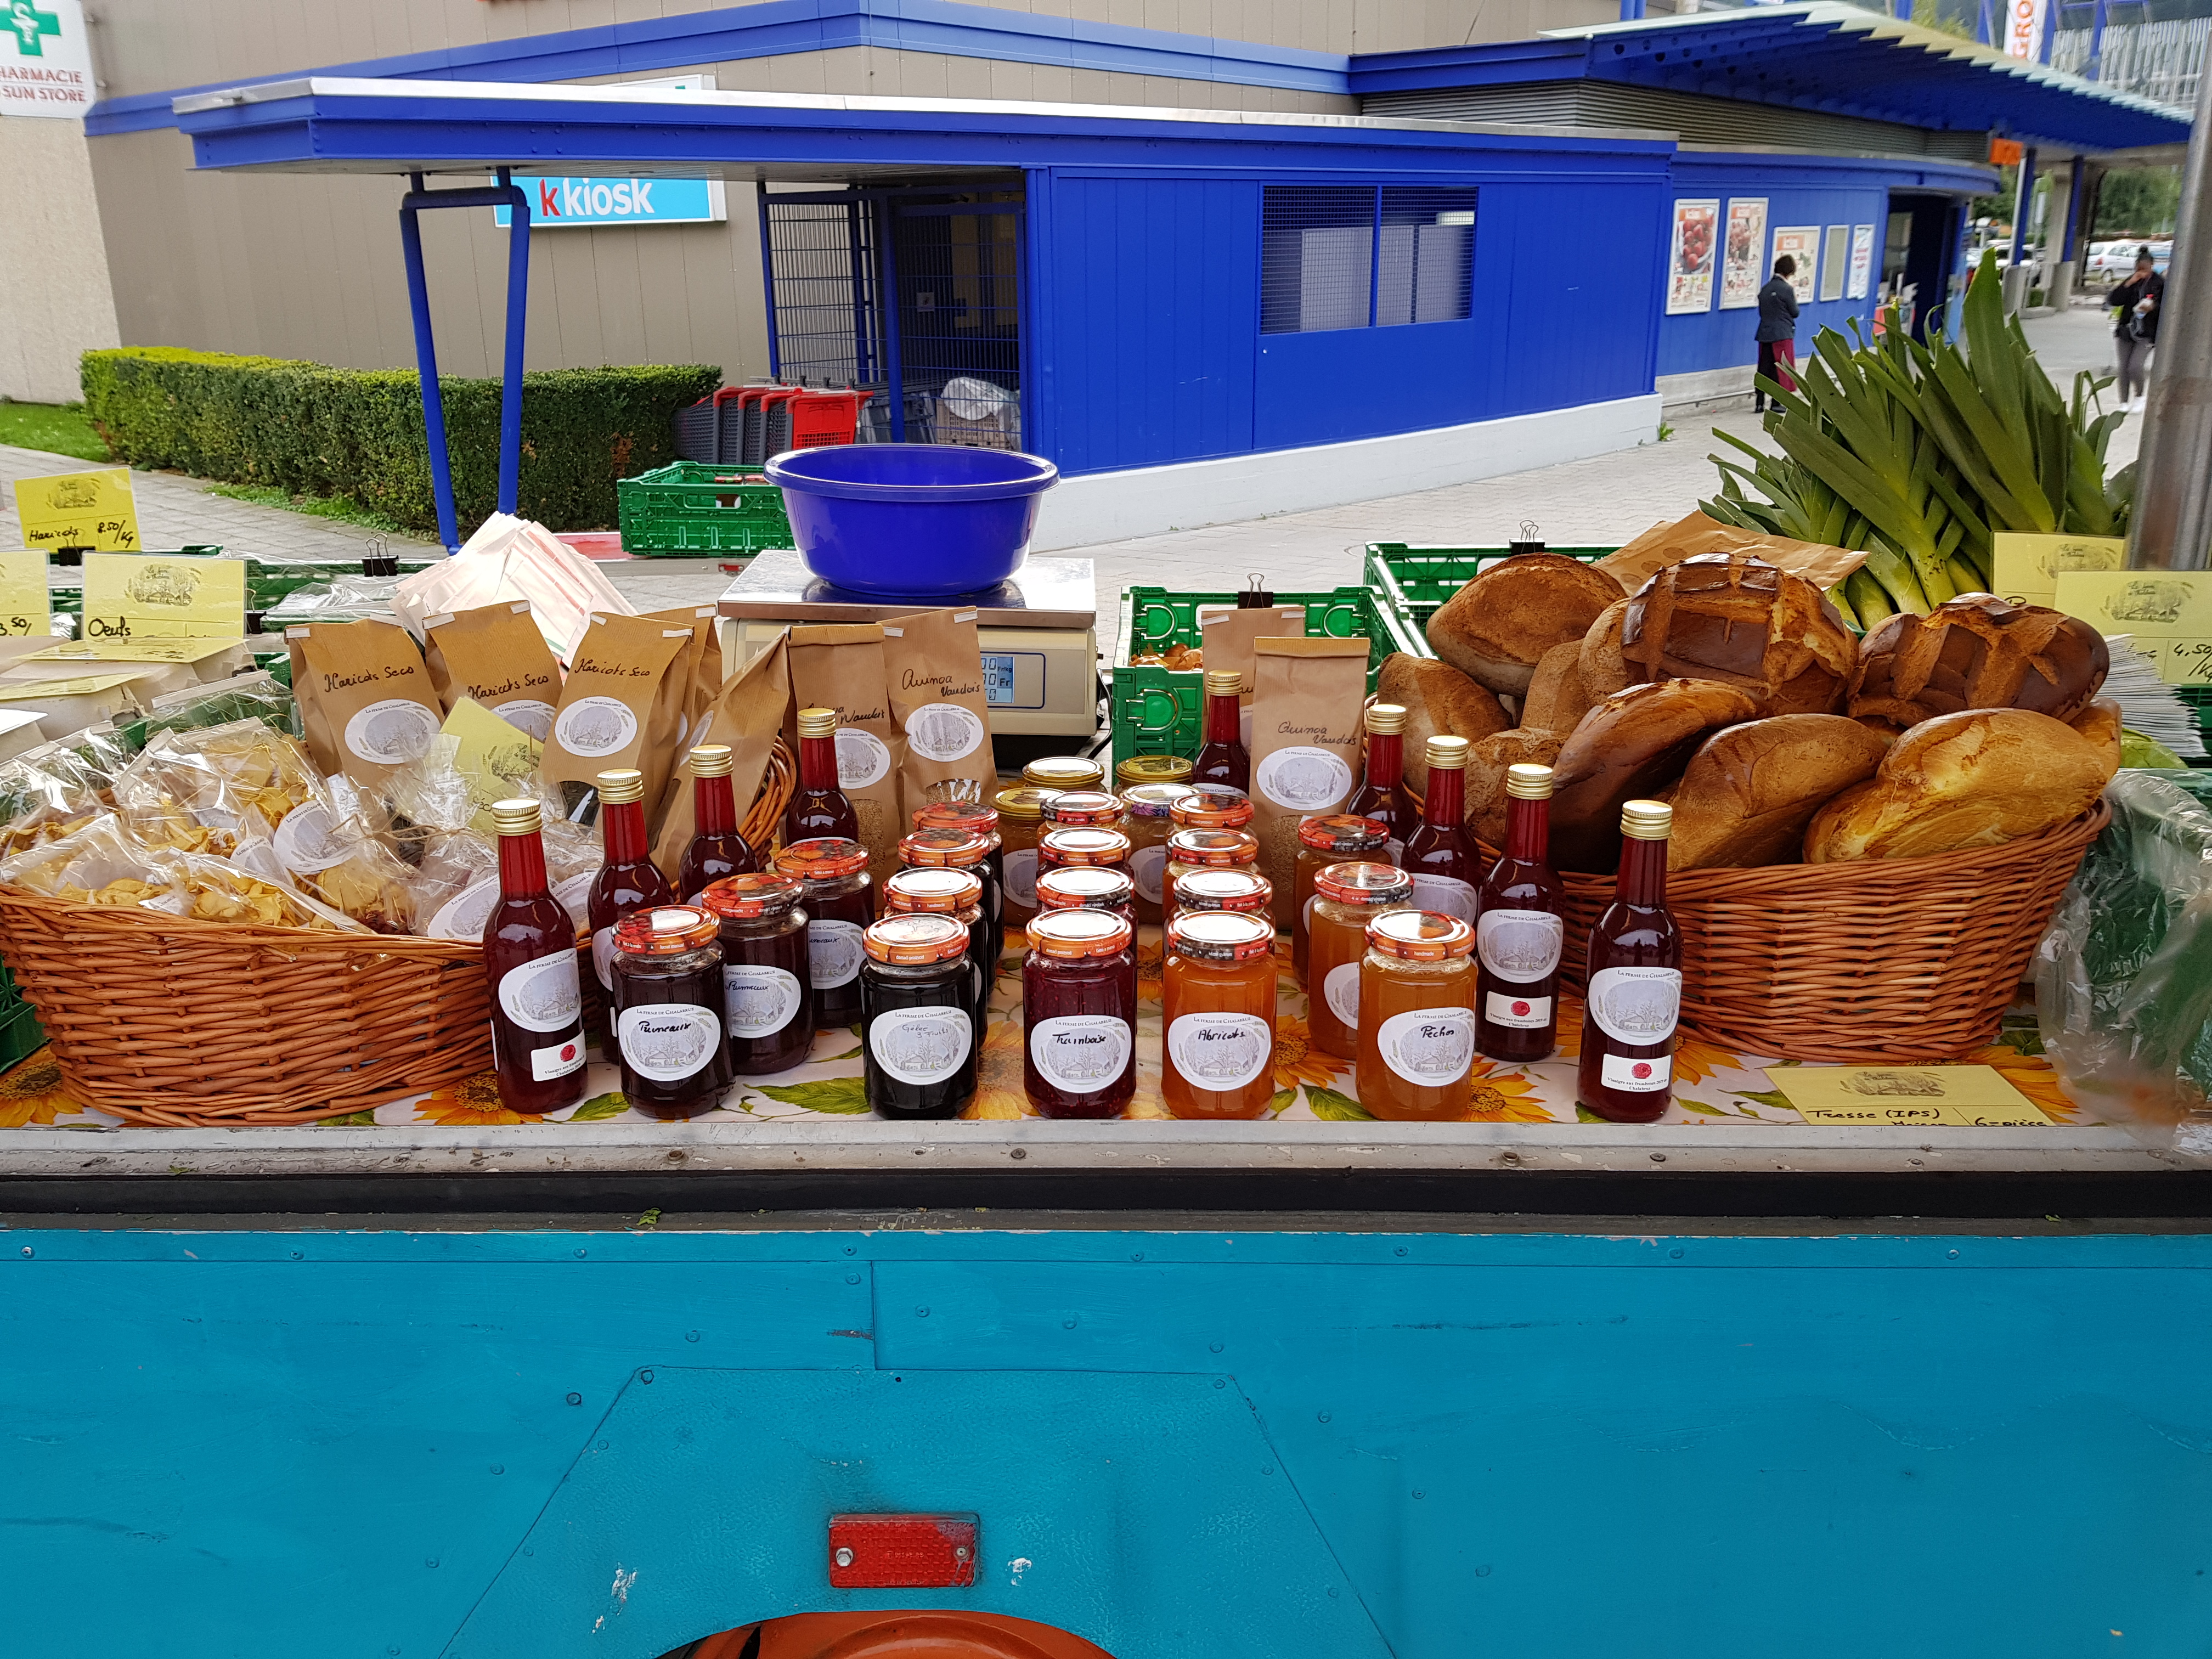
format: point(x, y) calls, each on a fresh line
point(1748, 793)
point(1439, 701)
point(1484, 814)
point(1978, 652)
point(1739, 621)
point(2101, 723)
point(1498, 627)
point(1556, 701)
point(1633, 744)
point(1978, 778)
point(1604, 670)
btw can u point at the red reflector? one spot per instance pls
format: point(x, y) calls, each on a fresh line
point(902, 1551)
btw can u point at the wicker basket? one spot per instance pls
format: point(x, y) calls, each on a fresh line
point(165, 1020)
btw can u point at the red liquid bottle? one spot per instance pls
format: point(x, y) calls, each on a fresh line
point(1382, 792)
point(1222, 757)
point(530, 963)
point(819, 809)
point(717, 850)
point(1518, 933)
point(1438, 855)
point(628, 880)
point(1626, 1074)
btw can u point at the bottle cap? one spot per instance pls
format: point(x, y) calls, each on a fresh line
point(826, 858)
point(1024, 804)
point(943, 846)
point(973, 816)
point(761, 893)
point(712, 760)
point(1152, 769)
point(817, 722)
point(665, 930)
point(1646, 820)
point(1154, 800)
point(1217, 847)
point(948, 891)
point(1448, 751)
point(1371, 885)
point(621, 786)
point(1419, 935)
point(1224, 890)
point(1076, 933)
point(1386, 718)
point(1525, 781)
point(1064, 772)
point(1084, 846)
point(912, 939)
point(1083, 887)
point(1345, 832)
point(1084, 806)
point(1223, 683)
point(1221, 935)
point(516, 817)
point(1212, 807)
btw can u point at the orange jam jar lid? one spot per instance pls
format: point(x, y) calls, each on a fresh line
point(973, 816)
point(1084, 846)
point(1213, 846)
point(1224, 890)
point(911, 939)
point(943, 846)
point(1084, 806)
point(826, 858)
point(1212, 807)
point(765, 893)
point(666, 930)
point(1419, 935)
point(931, 889)
point(1075, 934)
point(1364, 883)
point(1153, 800)
point(1221, 935)
point(1075, 887)
point(1345, 834)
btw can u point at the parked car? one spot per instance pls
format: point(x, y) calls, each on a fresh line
point(2110, 261)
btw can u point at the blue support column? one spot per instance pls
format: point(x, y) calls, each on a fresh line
point(894, 372)
point(2023, 206)
point(1631, 11)
point(2050, 31)
point(768, 280)
point(1984, 24)
point(864, 334)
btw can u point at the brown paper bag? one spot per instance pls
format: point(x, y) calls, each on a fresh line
point(935, 671)
point(1229, 639)
point(366, 705)
point(705, 663)
point(495, 655)
point(1307, 706)
point(840, 665)
point(623, 704)
point(1639, 560)
point(747, 716)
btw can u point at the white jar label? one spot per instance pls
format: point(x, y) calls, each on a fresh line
point(595, 725)
point(556, 1059)
point(1446, 895)
point(1220, 1052)
point(542, 994)
point(1021, 878)
point(1517, 1013)
point(391, 732)
point(1303, 778)
point(1430, 1048)
point(464, 916)
point(1339, 988)
point(1081, 1053)
point(1637, 1076)
point(668, 1042)
point(529, 716)
point(1148, 868)
point(759, 1000)
point(603, 957)
point(862, 757)
point(944, 731)
point(833, 954)
point(921, 1045)
point(1522, 945)
point(1636, 1005)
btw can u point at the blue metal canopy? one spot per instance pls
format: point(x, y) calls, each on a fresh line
point(1820, 56)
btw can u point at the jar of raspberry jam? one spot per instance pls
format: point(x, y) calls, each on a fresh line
point(668, 1010)
point(1079, 1014)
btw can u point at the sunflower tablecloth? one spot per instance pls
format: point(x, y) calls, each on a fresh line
point(1712, 1086)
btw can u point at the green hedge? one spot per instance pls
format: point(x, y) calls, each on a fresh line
point(311, 429)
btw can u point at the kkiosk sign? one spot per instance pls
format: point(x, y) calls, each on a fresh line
point(555, 202)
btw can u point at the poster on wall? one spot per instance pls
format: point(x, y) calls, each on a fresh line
point(1689, 264)
point(1861, 262)
point(1742, 273)
point(1803, 244)
point(1833, 260)
point(45, 63)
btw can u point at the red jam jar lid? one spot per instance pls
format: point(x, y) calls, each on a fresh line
point(665, 930)
point(1224, 890)
point(827, 858)
point(973, 816)
point(1074, 934)
point(1084, 846)
point(943, 846)
point(912, 939)
point(1153, 800)
point(1221, 935)
point(766, 893)
point(1345, 832)
point(934, 889)
point(1419, 935)
point(1213, 846)
point(1364, 883)
point(1074, 887)
point(1084, 806)
point(1212, 807)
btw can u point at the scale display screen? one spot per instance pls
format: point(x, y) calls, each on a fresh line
point(1013, 679)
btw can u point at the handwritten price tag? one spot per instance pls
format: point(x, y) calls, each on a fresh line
point(26, 606)
point(2169, 612)
point(1947, 1096)
point(2028, 567)
point(79, 509)
point(140, 596)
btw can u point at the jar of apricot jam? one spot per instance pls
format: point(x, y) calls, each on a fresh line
point(1021, 820)
point(1219, 1014)
point(1079, 1014)
point(1244, 891)
point(1346, 897)
point(1212, 806)
point(1336, 838)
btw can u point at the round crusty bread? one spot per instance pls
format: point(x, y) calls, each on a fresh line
point(1485, 812)
point(1604, 670)
point(2101, 723)
point(1748, 793)
point(1978, 652)
point(1556, 702)
point(1497, 629)
point(1743, 622)
point(1439, 701)
point(1978, 778)
point(1630, 745)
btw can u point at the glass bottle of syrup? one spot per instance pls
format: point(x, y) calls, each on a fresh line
point(1382, 794)
point(717, 848)
point(1223, 758)
point(529, 961)
point(818, 808)
point(629, 879)
point(1437, 855)
point(1517, 932)
point(1626, 1072)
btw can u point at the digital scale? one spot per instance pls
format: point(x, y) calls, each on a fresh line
point(1038, 630)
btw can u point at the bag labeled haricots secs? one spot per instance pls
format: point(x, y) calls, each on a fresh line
point(934, 668)
point(366, 706)
point(746, 715)
point(703, 663)
point(496, 656)
point(1308, 701)
point(622, 706)
point(840, 665)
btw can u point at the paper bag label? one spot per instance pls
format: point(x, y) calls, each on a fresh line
point(943, 732)
point(391, 732)
point(528, 714)
point(596, 726)
point(862, 758)
point(1303, 778)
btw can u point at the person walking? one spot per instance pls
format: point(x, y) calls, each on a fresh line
point(1777, 332)
point(2136, 304)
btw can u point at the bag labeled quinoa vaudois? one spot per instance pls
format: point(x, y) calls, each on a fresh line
point(624, 704)
point(495, 655)
point(841, 665)
point(935, 671)
point(366, 705)
point(1307, 708)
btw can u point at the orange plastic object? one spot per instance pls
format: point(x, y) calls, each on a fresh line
point(894, 1636)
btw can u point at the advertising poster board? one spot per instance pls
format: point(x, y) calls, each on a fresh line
point(1690, 258)
point(1741, 269)
point(1803, 244)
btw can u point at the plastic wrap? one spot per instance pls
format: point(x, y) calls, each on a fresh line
point(57, 787)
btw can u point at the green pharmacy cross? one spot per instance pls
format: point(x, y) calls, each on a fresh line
point(30, 24)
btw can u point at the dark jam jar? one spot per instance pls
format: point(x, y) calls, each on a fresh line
point(668, 1010)
point(1079, 1014)
point(840, 904)
point(1087, 887)
point(765, 995)
point(917, 1017)
point(957, 894)
point(966, 849)
point(1086, 848)
point(977, 819)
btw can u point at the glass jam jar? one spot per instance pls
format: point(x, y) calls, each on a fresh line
point(1021, 820)
point(1147, 825)
point(1212, 806)
point(1060, 849)
point(667, 1005)
point(925, 891)
point(1084, 809)
point(1058, 772)
point(1339, 838)
point(1087, 887)
point(1417, 1017)
point(1079, 1014)
point(1346, 897)
point(1139, 770)
point(950, 847)
point(1206, 849)
point(977, 819)
point(1244, 891)
point(840, 903)
point(917, 1017)
point(765, 972)
point(1218, 1011)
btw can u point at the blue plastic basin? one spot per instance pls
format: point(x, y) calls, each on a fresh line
point(911, 520)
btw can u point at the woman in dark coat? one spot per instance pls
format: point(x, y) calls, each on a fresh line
point(1778, 331)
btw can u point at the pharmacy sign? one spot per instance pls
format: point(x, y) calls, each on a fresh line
point(45, 66)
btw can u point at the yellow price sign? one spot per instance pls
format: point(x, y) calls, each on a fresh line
point(1890, 1096)
point(94, 510)
point(132, 596)
point(26, 607)
point(2169, 612)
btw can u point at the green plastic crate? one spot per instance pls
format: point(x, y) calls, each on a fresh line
point(1412, 582)
point(20, 1034)
point(1157, 711)
point(692, 506)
